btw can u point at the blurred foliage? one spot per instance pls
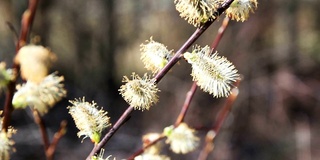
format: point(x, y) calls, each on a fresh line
point(97, 42)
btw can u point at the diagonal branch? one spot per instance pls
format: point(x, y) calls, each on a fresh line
point(186, 104)
point(145, 147)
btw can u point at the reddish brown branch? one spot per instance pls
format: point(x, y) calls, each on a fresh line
point(145, 147)
point(57, 136)
point(222, 115)
point(221, 32)
point(13, 30)
point(26, 22)
point(42, 127)
point(186, 104)
point(49, 148)
point(111, 132)
point(225, 110)
point(208, 146)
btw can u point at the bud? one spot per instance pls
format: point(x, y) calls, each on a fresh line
point(213, 73)
point(90, 120)
point(197, 12)
point(140, 93)
point(34, 62)
point(100, 156)
point(5, 141)
point(239, 9)
point(153, 151)
point(181, 139)
point(6, 75)
point(154, 55)
point(147, 139)
point(151, 157)
point(40, 96)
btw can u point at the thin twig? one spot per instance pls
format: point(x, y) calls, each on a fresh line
point(186, 104)
point(225, 110)
point(111, 132)
point(26, 22)
point(57, 136)
point(221, 32)
point(42, 127)
point(222, 115)
point(302, 132)
point(13, 30)
point(145, 147)
point(208, 146)
point(160, 75)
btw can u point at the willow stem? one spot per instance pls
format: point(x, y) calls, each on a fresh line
point(222, 116)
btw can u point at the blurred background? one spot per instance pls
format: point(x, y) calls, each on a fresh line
point(276, 115)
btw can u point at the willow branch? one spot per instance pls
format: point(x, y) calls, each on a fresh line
point(160, 75)
point(226, 108)
point(186, 104)
point(57, 136)
point(49, 148)
point(26, 23)
point(13, 30)
point(145, 147)
point(221, 32)
point(223, 114)
point(111, 132)
point(42, 127)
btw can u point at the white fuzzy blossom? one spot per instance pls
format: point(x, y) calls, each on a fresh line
point(5, 141)
point(40, 96)
point(152, 152)
point(90, 120)
point(5, 76)
point(5, 146)
point(153, 149)
point(100, 156)
point(239, 9)
point(34, 61)
point(154, 55)
point(197, 12)
point(213, 73)
point(140, 93)
point(151, 157)
point(182, 139)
